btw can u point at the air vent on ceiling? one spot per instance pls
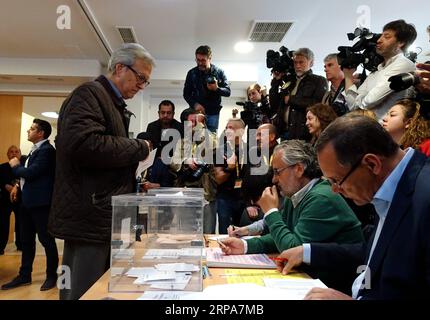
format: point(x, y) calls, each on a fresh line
point(269, 31)
point(127, 34)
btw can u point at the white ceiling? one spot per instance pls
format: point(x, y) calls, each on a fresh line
point(172, 29)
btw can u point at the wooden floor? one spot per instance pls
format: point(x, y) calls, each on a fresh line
point(9, 267)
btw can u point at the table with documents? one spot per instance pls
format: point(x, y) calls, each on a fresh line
point(222, 283)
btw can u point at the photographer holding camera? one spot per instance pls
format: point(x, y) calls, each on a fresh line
point(334, 74)
point(205, 85)
point(374, 93)
point(256, 110)
point(305, 90)
point(192, 163)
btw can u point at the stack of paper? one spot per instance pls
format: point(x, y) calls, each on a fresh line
point(216, 258)
point(295, 289)
point(167, 276)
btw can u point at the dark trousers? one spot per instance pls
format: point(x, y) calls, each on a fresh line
point(16, 208)
point(229, 212)
point(35, 221)
point(87, 262)
point(5, 211)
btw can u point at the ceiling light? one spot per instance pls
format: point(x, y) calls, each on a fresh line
point(243, 47)
point(50, 114)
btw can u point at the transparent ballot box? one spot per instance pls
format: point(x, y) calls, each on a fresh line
point(157, 240)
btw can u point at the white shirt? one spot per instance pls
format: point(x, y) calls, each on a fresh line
point(375, 93)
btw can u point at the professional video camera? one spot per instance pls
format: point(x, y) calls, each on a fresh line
point(362, 52)
point(252, 114)
point(403, 81)
point(281, 61)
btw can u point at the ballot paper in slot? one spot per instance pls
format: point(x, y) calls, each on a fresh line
point(145, 164)
point(217, 259)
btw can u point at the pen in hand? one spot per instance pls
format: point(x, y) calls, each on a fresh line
point(222, 245)
point(278, 259)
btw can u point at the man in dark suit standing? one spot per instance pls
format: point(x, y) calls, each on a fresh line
point(363, 163)
point(7, 183)
point(36, 184)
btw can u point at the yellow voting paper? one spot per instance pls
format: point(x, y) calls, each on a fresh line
point(256, 276)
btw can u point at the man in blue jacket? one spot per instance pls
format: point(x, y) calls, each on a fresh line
point(362, 162)
point(36, 184)
point(204, 87)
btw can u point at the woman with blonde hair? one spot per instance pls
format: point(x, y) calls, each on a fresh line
point(407, 126)
point(362, 112)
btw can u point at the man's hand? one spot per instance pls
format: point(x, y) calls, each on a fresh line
point(326, 294)
point(14, 194)
point(349, 73)
point(286, 99)
point(14, 162)
point(191, 163)
point(350, 78)
point(288, 259)
point(237, 232)
point(269, 199)
point(213, 86)
point(199, 108)
point(252, 212)
point(233, 246)
point(149, 185)
point(277, 75)
point(423, 73)
point(231, 162)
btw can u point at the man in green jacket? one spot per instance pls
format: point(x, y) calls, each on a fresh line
point(312, 212)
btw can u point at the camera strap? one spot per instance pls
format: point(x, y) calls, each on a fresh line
point(338, 91)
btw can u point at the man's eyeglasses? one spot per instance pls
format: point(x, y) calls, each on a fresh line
point(141, 79)
point(277, 172)
point(353, 168)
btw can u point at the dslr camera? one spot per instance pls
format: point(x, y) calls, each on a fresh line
point(190, 175)
point(210, 79)
point(281, 61)
point(362, 52)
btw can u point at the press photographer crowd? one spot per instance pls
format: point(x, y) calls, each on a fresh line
point(330, 171)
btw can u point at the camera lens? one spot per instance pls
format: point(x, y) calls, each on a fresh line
point(403, 81)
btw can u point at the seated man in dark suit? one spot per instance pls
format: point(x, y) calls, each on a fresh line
point(36, 183)
point(165, 126)
point(363, 163)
